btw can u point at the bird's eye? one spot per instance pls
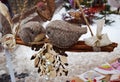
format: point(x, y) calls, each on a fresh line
point(48, 32)
point(32, 32)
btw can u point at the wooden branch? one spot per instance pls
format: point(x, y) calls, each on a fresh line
point(80, 46)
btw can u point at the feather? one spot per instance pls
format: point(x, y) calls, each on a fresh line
point(36, 62)
point(4, 10)
point(99, 39)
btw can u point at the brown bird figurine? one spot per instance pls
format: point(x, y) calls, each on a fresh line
point(29, 31)
point(63, 34)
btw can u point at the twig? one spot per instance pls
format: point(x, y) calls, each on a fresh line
point(20, 19)
point(80, 46)
point(77, 1)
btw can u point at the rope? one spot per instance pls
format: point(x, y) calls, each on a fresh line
point(77, 1)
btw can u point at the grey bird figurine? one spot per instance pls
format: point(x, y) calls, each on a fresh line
point(29, 31)
point(63, 34)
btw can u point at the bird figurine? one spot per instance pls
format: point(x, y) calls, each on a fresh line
point(115, 3)
point(29, 31)
point(63, 34)
point(4, 10)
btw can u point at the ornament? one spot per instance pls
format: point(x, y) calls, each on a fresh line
point(31, 31)
point(63, 34)
point(49, 63)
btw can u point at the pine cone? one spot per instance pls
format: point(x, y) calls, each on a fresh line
point(63, 34)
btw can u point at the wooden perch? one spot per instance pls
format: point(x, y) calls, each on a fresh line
point(80, 46)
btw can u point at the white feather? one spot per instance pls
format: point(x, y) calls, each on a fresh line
point(94, 40)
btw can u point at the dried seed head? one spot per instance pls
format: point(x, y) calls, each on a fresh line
point(36, 62)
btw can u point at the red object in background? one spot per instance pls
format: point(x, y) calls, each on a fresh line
point(97, 9)
point(117, 80)
point(41, 5)
point(73, 80)
point(94, 80)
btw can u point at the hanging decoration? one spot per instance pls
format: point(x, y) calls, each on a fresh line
point(8, 41)
point(50, 63)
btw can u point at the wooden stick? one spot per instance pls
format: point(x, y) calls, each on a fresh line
point(80, 46)
point(86, 48)
point(78, 3)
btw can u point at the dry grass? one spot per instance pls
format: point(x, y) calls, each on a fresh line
point(17, 5)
